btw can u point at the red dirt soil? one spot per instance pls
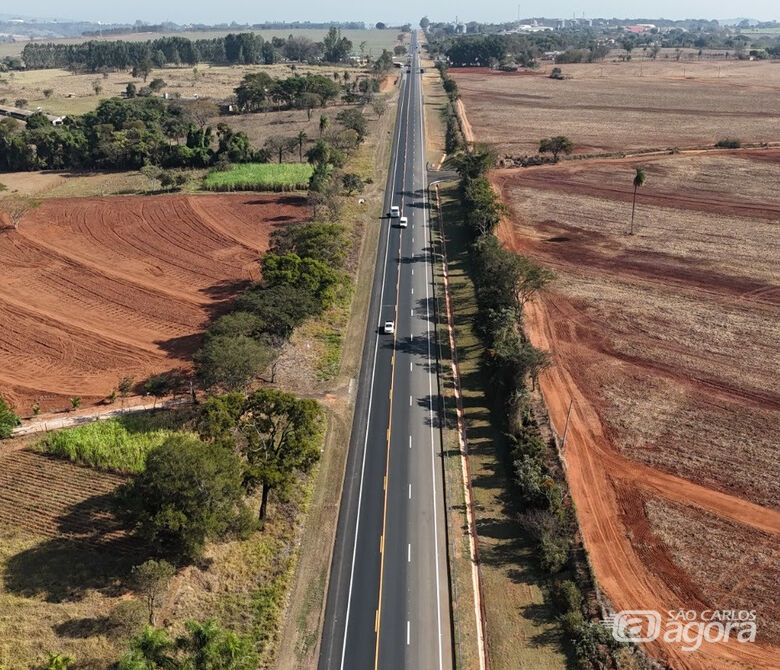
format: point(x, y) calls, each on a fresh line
point(608, 488)
point(93, 289)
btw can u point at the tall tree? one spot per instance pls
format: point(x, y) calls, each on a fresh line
point(556, 145)
point(640, 177)
point(301, 137)
point(281, 434)
point(189, 492)
point(151, 579)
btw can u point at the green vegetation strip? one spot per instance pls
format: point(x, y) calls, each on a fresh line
point(260, 176)
point(118, 444)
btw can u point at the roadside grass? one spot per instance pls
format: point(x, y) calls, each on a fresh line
point(260, 176)
point(521, 627)
point(119, 444)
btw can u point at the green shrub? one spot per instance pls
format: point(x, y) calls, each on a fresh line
point(728, 143)
point(8, 419)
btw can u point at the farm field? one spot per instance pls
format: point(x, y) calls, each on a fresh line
point(614, 106)
point(260, 176)
point(666, 343)
point(94, 289)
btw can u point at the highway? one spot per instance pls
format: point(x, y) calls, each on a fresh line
point(388, 600)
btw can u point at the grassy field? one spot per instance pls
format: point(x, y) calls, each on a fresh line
point(75, 93)
point(260, 177)
point(609, 107)
point(118, 444)
point(375, 40)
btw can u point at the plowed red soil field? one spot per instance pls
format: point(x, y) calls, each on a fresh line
point(666, 342)
point(93, 289)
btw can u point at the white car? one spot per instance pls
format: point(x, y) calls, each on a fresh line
point(389, 328)
point(403, 222)
point(395, 212)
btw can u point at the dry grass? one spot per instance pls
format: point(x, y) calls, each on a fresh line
point(610, 107)
point(74, 93)
point(660, 315)
point(728, 561)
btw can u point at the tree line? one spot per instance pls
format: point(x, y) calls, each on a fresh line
point(504, 282)
point(234, 49)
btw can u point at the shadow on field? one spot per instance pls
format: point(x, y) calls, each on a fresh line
point(92, 553)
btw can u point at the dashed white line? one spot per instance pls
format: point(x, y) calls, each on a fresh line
point(410, 401)
point(410, 441)
point(408, 630)
point(409, 553)
point(410, 491)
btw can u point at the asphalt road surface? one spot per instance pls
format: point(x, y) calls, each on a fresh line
point(388, 604)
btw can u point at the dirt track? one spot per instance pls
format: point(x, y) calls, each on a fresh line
point(95, 289)
point(561, 216)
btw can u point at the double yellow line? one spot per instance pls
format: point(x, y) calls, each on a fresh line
point(378, 623)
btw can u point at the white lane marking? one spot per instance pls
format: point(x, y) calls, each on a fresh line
point(412, 271)
point(410, 401)
point(412, 310)
point(410, 491)
point(410, 366)
point(409, 553)
point(370, 399)
point(408, 627)
point(412, 291)
point(410, 441)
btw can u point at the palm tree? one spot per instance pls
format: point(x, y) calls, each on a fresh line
point(639, 180)
point(323, 124)
point(302, 137)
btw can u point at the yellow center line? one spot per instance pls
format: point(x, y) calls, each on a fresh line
point(390, 422)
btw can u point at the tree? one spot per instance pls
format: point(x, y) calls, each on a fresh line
point(556, 145)
point(151, 580)
point(279, 145)
point(152, 173)
point(379, 105)
point(281, 440)
point(157, 386)
point(97, 86)
point(75, 403)
point(556, 73)
point(8, 419)
point(189, 492)
point(231, 363)
point(640, 177)
point(131, 91)
point(323, 124)
point(353, 119)
point(20, 103)
point(157, 84)
point(380, 25)
point(424, 23)
point(16, 207)
point(301, 137)
point(125, 386)
point(48, 92)
point(352, 182)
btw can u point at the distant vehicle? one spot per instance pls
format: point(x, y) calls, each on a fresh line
point(403, 222)
point(395, 212)
point(389, 328)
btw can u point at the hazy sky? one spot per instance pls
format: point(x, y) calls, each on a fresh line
point(396, 11)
